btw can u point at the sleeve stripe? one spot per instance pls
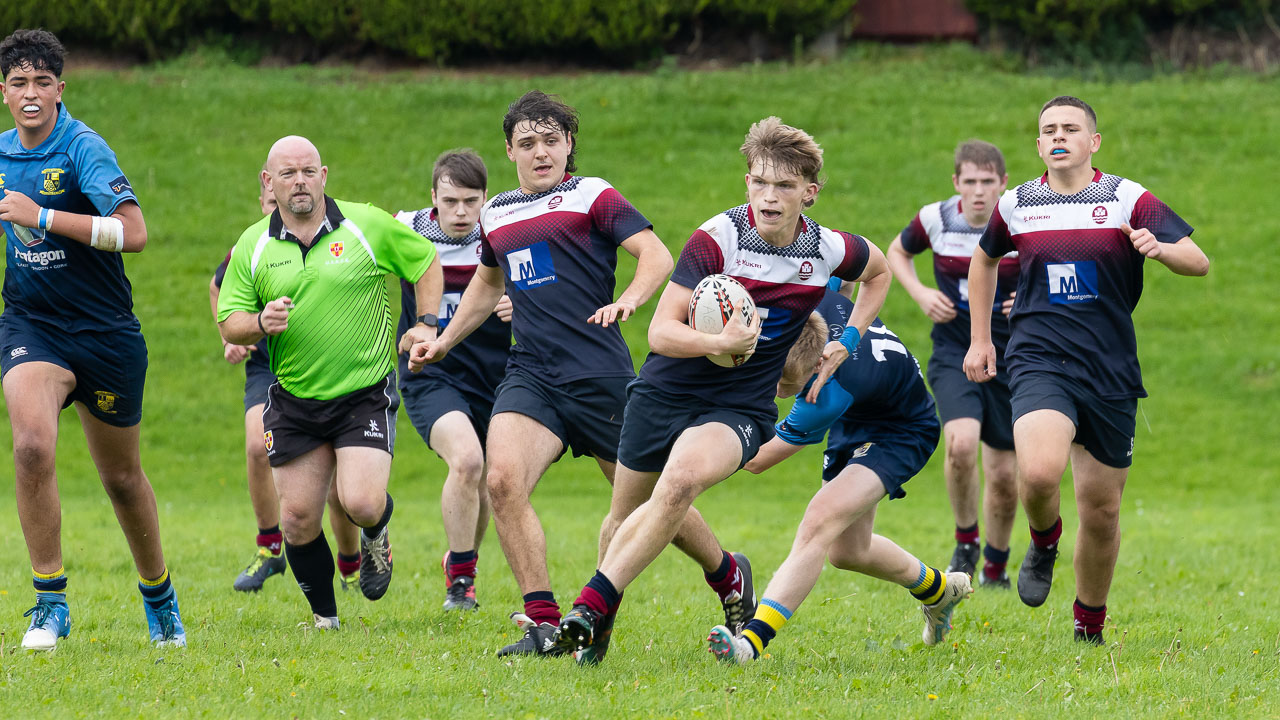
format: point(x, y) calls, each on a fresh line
point(355, 230)
point(257, 252)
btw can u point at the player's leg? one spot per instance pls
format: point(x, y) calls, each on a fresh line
point(362, 476)
point(631, 489)
point(999, 507)
point(1043, 438)
point(1099, 488)
point(346, 535)
point(303, 483)
point(34, 393)
point(960, 471)
point(269, 558)
point(454, 438)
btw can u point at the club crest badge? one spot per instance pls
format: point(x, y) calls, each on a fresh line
point(106, 401)
point(335, 249)
point(267, 440)
point(52, 181)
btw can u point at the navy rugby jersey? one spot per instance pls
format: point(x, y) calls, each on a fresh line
point(786, 284)
point(259, 356)
point(1080, 277)
point(558, 251)
point(479, 362)
point(880, 384)
point(942, 228)
point(56, 279)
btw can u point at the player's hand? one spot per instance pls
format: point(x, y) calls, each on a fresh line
point(1006, 307)
point(417, 334)
point(833, 356)
point(936, 306)
point(980, 362)
point(275, 316)
point(425, 353)
point(503, 309)
point(738, 338)
point(1143, 241)
point(613, 312)
point(19, 209)
point(235, 354)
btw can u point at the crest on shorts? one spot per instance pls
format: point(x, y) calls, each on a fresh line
point(53, 181)
point(862, 450)
point(335, 248)
point(106, 401)
point(268, 440)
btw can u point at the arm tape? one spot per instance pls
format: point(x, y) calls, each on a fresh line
point(108, 234)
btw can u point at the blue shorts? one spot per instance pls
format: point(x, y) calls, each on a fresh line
point(110, 367)
point(258, 378)
point(428, 398)
point(894, 452)
point(989, 403)
point(1104, 427)
point(585, 414)
point(654, 419)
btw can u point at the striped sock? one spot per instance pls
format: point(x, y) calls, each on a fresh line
point(929, 586)
point(771, 615)
point(51, 586)
point(155, 592)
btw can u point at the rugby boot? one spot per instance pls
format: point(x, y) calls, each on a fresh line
point(460, 592)
point(349, 581)
point(1001, 582)
point(577, 629)
point(730, 647)
point(325, 623)
point(264, 565)
point(375, 564)
point(937, 617)
point(539, 638)
point(1035, 577)
point(164, 623)
point(1088, 637)
point(739, 608)
point(595, 652)
point(50, 621)
point(964, 559)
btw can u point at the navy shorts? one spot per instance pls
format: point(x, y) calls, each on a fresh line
point(258, 378)
point(894, 452)
point(585, 414)
point(990, 403)
point(654, 419)
point(110, 367)
point(294, 426)
point(428, 398)
point(1104, 427)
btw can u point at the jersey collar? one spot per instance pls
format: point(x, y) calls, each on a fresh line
point(1097, 175)
point(333, 218)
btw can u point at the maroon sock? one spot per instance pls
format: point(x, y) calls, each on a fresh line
point(348, 564)
point(967, 536)
point(462, 564)
point(1089, 620)
point(271, 539)
point(541, 607)
point(1046, 539)
point(726, 579)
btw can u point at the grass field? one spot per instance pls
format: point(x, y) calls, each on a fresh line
point(1193, 627)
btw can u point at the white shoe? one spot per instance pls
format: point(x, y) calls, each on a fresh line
point(326, 623)
point(728, 647)
point(937, 617)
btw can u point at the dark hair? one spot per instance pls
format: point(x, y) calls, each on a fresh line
point(547, 111)
point(38, 48)
point(463, 167)
point(1075, 102)
point(983, 155)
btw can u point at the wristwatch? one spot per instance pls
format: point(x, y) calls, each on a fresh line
point(429, 320)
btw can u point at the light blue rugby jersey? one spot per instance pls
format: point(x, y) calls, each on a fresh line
point(55, 279)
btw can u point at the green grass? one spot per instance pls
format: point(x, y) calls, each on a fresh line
point(1193, 628)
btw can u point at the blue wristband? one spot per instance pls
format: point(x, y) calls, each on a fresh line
point(44, 219)
point(850, 338)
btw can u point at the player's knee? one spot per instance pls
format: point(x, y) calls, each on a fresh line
point(504, 488)
point(33, 459)
point(1102, 518)
point(365, 510)
point(1039, 476)
point(299, 526)
point(675, 493)
point(848, 556)
point(1002, 497)
point(122, 483)
point(467, 468)
point(962, 452)
point(255, 450)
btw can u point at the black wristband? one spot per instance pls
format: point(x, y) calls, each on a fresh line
point(264, 330)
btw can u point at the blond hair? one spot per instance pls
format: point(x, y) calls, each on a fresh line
point(807, 350)
point(772, 142)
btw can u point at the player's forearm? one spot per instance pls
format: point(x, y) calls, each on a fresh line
point(675, 339)
point(983, 273)
point(653, 265)
point(241, 328)
point(770, 454)
point(874, 288)
point(903, 268)
point(99, 232)
point(1184, 258)
point(477, 303)
point(429, 288)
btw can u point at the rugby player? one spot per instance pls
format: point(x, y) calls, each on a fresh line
point(68, 333)
point(450, 402)
point(269, 558)
point(690, 423)
point(1081, 236)
point(973, 415)
point(883, 430)
point(311, 278)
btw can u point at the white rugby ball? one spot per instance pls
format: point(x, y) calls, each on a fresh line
point(713, 300)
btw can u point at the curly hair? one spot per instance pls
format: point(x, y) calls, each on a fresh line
point(37, 48)
point(546, 112)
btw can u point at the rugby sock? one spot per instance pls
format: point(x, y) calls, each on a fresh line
point(600, 595)
point(541, 607)
point(462, 564)
point(967, 536)
point(271, 539)
point(1046, 539)
point(312, 566)
point(928, 587)
point(726, 579)
point(348, 564)
point(155, 592)
point(771, 615)
point(1089, 620)
point(372, 531)
point(996, 562)
point(50, 586)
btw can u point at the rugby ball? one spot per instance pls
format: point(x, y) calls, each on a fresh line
point(713, 300)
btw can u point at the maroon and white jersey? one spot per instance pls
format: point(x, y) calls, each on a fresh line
point(558, 251)
point(786, 283)
point(942, 228)
point(1080, 277)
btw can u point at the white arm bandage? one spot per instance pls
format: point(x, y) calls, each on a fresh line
point(108, 234)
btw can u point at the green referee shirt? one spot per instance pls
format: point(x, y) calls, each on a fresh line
point(341, 328)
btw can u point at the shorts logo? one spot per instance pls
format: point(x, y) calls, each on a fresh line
point(268, 440)
point(53, 181)
point(826, 460)
point(120, 184)
point(1100, 214)
point(532, 267)
point(861, 451)
point(1074, 282)
point(17, 352)
point(806, 270)
point(373, 431)
point(746, 432)
point(106, 401)
point(335, 249)
point(554, 202)
point(1130, 453)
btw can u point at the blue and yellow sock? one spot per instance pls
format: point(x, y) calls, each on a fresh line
point(929, 586)
point(50, 586)
point(771, 615)
point(155, 592)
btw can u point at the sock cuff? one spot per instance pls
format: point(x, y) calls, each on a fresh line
point(995, 556)
point(968, 534)
point(727, 564)
point(774, 606)
point(62, 570)
point(164, 577)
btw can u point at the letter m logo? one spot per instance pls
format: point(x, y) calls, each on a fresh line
point(1062, 279)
